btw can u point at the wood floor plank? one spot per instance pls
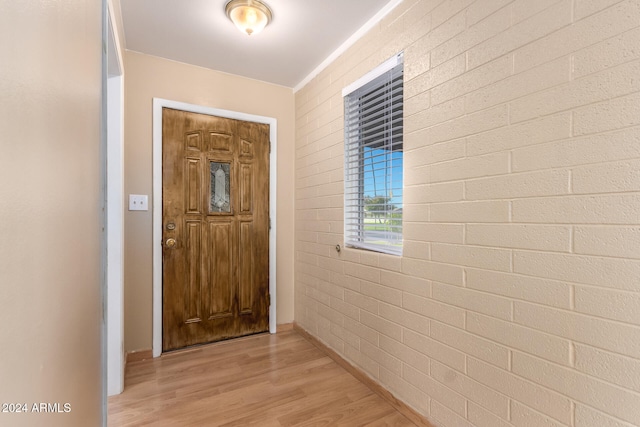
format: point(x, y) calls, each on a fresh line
point(267, 380)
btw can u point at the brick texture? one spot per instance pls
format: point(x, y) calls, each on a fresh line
point(517, 300)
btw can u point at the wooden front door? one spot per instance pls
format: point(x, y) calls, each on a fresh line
point(215, 218)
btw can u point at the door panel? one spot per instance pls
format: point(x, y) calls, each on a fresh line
point(246, 267)
point(193, 279)
point(220, 275)
point(246, 188)
point(193, 190)
point(216, 209)
point(220, 142)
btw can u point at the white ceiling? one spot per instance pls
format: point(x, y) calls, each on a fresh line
point(301, 36)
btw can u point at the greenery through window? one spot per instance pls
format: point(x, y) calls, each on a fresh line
point(374, 159)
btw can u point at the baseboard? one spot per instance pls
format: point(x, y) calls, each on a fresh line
point(284, 327)
point(138, 355)
point(415, 417)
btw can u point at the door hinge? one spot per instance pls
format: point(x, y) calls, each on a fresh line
point(269, 223)
point(268, 300)
point(269, 147)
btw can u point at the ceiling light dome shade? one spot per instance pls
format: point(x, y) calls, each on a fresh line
point(249, 16)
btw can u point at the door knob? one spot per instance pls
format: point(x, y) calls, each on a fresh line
point(170, 243)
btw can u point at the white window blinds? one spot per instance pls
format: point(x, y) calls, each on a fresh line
point(374, 159)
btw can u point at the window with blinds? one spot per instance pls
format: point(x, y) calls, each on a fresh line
point(374, 159)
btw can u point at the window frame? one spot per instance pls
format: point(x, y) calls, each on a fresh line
point(373, 130)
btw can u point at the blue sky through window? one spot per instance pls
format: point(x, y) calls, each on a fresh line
point(383, 174)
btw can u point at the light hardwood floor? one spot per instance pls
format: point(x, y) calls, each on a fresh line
point(263, 380)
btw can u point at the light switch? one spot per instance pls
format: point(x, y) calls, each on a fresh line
point(138, 202)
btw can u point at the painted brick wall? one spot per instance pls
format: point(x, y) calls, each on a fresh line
point(517, 300)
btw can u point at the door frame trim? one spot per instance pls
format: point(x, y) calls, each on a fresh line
point(158, 104)
point(114, 299)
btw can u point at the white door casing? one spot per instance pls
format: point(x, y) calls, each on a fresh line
point(158, 104)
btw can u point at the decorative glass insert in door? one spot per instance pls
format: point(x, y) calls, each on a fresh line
point(219, 199)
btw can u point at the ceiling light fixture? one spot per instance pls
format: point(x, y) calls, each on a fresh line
point(249, 16)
